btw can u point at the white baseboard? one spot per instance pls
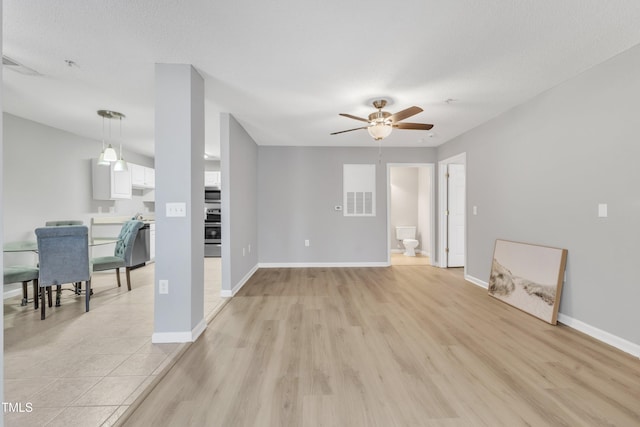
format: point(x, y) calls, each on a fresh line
point(178, 337)
point(229, 293)
point(476, 281)
point(321, 264)
point(599, 334)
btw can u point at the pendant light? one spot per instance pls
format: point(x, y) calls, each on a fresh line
point(120, 165)
point(101, 160)
point(109, 154)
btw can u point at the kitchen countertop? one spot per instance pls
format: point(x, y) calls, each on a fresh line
point(114, 220)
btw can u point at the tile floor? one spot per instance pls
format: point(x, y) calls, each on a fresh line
point(401, 259)
point(86, 369)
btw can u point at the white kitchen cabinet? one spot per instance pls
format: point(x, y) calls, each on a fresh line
point(212, 178)
point(142, 176)
point(109, 184)
point(137, 175)
point(150, 177)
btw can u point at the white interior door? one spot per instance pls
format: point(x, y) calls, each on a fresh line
point(455, 218)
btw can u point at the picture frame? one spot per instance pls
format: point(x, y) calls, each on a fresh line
point(528, 277)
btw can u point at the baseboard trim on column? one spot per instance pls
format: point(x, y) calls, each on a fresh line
point(178, 337)
point(229, 293)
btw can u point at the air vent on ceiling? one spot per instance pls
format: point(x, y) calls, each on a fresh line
point(14, 65)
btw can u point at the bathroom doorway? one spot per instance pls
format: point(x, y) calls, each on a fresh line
point(411, 206)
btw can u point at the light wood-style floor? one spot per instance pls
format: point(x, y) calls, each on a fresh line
point(397, 346)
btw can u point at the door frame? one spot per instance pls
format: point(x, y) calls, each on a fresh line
point(432, 203)
point(442, 204)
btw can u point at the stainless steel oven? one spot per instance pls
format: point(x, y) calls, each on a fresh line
point(213, 214)
point(211, 195)
point(212, 232)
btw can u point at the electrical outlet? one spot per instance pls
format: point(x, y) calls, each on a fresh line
point(249, 247)
point(306, 243)
point(163, 286)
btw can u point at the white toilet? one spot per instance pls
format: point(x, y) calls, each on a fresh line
point(408, 236)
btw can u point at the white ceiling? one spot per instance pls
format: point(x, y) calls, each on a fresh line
point(286, 68)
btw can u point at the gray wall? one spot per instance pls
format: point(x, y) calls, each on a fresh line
point(212, 165)
point(537, 174)
point(298, 189)
point(179, 148)
point(424, 209)
point(239, 161)
point(47, 176)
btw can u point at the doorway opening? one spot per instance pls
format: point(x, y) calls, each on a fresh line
point(410, 210)
point(452, 212)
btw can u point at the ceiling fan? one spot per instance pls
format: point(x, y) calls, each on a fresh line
point(380, 123)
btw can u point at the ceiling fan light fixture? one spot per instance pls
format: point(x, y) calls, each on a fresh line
point(379, 130)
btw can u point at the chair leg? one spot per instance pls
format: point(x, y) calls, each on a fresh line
point(118, 276)
point(36, 294)
point(24, 294)
point(42, 292)
point(127, 270)
point(49, 296)
point(87, 295)
point(58, 293)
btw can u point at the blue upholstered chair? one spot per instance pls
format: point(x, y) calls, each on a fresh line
point(64, 258)
point(60, 223)
point(24, 274)
point(122, 256)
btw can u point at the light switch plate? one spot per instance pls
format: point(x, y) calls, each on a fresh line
point(176, 209)
point(602, 210)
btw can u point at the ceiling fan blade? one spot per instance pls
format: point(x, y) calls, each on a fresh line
point(401, 115)
point(417, 126)
point(348, 130)
point(354, 117)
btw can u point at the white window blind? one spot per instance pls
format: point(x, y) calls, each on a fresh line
point(359, 188)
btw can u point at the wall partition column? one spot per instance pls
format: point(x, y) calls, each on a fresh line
point(179, 164)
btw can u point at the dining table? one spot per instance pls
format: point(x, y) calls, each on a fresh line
point(32, 245)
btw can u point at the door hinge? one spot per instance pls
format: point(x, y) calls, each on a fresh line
point(446, 250)
point(446, 213)
point(446, 175)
